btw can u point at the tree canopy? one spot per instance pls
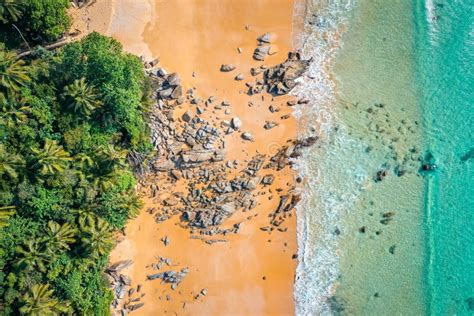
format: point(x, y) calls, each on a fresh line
point(68, 121)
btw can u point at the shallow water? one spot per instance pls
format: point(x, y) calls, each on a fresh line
point(386, 88)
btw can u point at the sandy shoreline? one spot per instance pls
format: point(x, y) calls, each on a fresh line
point(253, 272)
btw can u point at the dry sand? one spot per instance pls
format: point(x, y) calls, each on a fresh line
point(252, 273)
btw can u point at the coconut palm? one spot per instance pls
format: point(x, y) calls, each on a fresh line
point(82, 161)
point(51, 159)
point(58, 237)
point(81, 98)
point(102, 182)
point(13, 111)
point(133, 204)
point(97, 237)
point(13, 71)
point(5, 213)
point(9, 163)
point(112, 157)
point(32, 255)
point(10, 10)
point(85, 215)
point(39, 301)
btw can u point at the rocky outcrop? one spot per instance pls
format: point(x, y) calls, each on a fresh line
point(280, 79)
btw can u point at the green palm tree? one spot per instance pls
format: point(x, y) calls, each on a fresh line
point(82, 161)
point(10, 10)
point(39, 301)
point(103, 182)
point(10, 163)
point(111, 158)
point(58, 237)
point(13, 71)
point(97, 237)
point(5, 213)
point(13, 111)
point(85, 215)
point(133, 204)
point(81, 98)
point(32, 255)
point(51, 159)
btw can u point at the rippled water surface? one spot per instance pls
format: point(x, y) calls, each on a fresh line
point(391, 85)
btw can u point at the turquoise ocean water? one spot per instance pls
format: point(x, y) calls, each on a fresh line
point(392, 89)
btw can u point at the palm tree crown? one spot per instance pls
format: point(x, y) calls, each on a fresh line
point(81, 98)
point(5, 213)
point(10, 10)
point(13, 111)
point(13, 71)
point(39, 301)
point(9, 163)
point(97, 237)
point(52, 158)
point(32, 256)
point(59, 236)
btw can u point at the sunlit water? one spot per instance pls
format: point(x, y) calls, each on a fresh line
point(391, 82)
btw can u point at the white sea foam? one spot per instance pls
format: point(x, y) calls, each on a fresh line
point(327, 194)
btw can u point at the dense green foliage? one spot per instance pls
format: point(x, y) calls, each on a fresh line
point(67, 123)
point(39, 20)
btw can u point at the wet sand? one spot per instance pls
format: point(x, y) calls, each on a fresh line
point(252, 273)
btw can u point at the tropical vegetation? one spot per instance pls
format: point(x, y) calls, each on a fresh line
point(39, 21)
point(69, 121)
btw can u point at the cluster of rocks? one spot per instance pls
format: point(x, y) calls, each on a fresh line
point(186, 143)
point(170, 277)
point(264, 47)
point(283, 156)
point(217, 197)
point(188, 175)
point(280, 79)
point(168, 85)
point(126, 297)
point(285, 206)
point(192, 150)
point(396, 137)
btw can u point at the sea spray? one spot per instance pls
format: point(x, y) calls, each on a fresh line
point(320, 208)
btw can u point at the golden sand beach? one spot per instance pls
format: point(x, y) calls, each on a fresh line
point(252, 272)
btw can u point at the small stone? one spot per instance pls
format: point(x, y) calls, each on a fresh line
point(273, 50)
point(268, 179)
point(187, 116)
point(135, 306)
point(154, 62)
point(269, 125)
point(261, 52)
point(166, 241)
point(227, 67)
point(247, 136)
point(265, 38)
point(239, 77)
point(236, 123)
point(173, 79)
point(392, 249)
